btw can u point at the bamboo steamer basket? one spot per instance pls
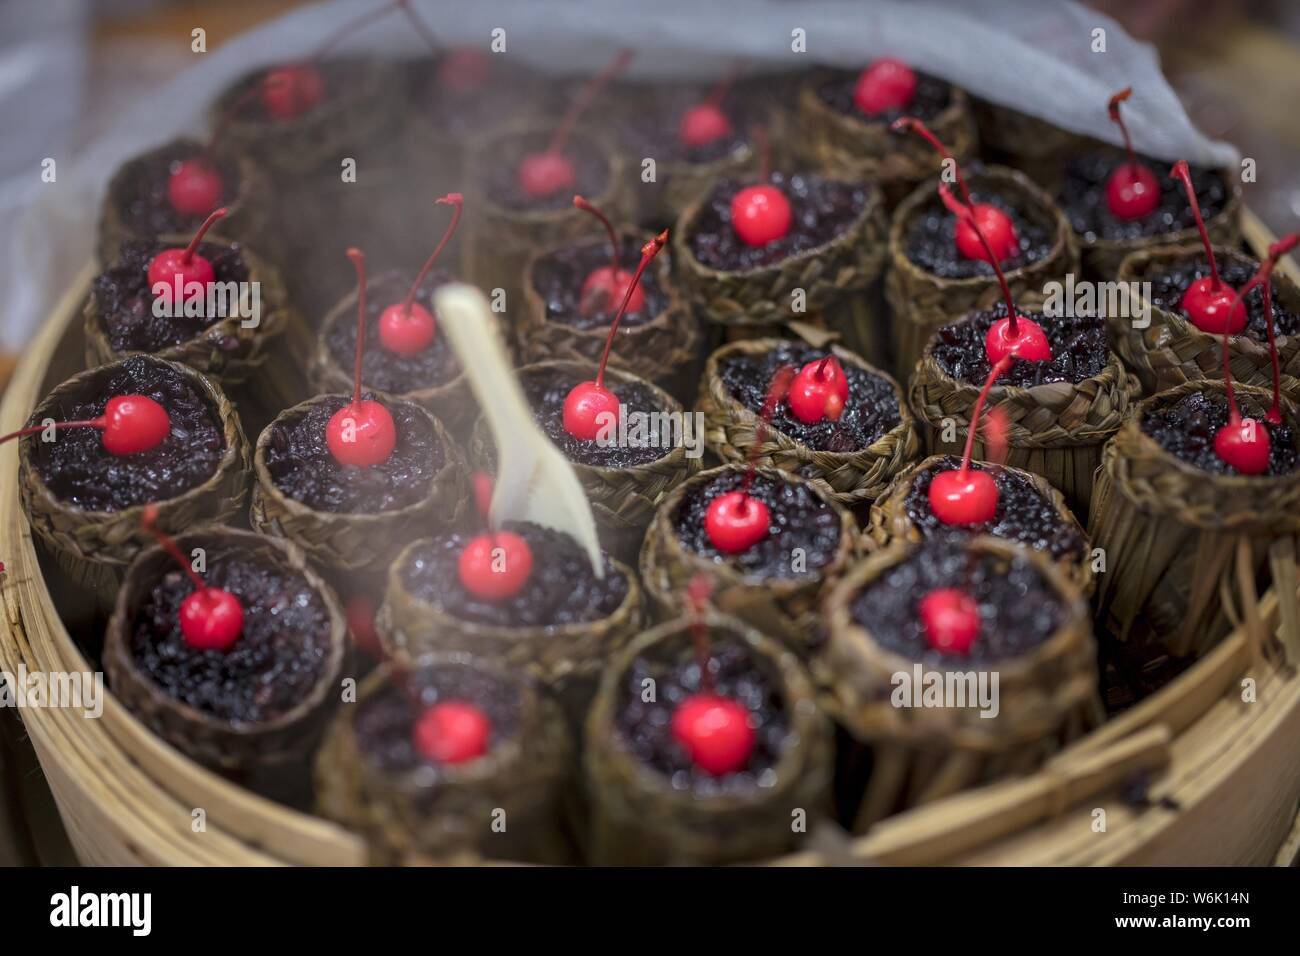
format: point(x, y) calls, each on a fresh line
point(127, 798)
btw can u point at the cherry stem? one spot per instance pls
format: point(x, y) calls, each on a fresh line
point(198, 236)
point(821, 366)
point(912, 124)
point(356, 23)
point(1115, 117)
point(764, 144)
point(586, 206)
point(586, 96)
point(1263, 278)
point(777, 389)
point(1182, 172)
point(359, 263)
point(100, 422)
point(420, 27)
point(648, 252)
point(148, 520)
point(697, 593)
point(455, 200)
point(723, 87)
point(966, 213)
point(995, 373)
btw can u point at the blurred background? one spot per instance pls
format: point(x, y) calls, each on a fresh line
point(69, 67)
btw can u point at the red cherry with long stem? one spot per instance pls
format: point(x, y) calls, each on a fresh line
point(130, 424)
point(360, 433)
point(819, 391)
point(495, 566)
point(211, 619)
point(185, 267)
point(761, 213)
point(715, 732)
point(1209, 302)
point(987, 233)
point(705, 122)
point(407, 328)
point(1275, 252)
point(590, 406)
point(962, 496)
point(1132, 190)
point(886, 84)
point(452, 732)
point(550, 171)
point(1014, 334)
point(951, 620)
point(608, 284)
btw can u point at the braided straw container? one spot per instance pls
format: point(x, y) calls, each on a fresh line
point(228, 350)
point(247, 211)
point(352, 112)
point(500, 239)
point(889, 520)
point(351, 540)
point(207, 739)
point(566, 658)
point(785, 608)
point(1183, 546)
point(94, 547)
point(1036, 147)
point(638, 817)
point(836, 278)
point(443, 813)
point(1055, 430)
point(921, 301)
point(1171, 350)
point(1047, 697)
point(450, 401)
point(854, 148)
point(657, 350)
point(851, 478)
point(623, 500)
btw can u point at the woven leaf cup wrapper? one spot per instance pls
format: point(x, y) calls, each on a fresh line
point(1055, 430)
point(94, 547)
point(785, 608)
point(566, 658)
point(450, 402)
point(623, 500)
point(889, 521)
point(657, 350)
point(1036, 147)
point(921, 301)
point(440, 814)
point(1047, 696)
point(851, 478)
point(1172, 532)
point(637, 815)
point(247, 211)
point(229, 350)
point(1171, 350)
point(501, 239)
point(213, 742)
point(831, 275)
point(355, 108)
point(857, 148)
point(349, 541)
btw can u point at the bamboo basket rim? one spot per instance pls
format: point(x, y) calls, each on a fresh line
point(124, 794)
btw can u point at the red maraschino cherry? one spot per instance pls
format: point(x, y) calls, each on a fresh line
point(191, 270)
point(761, 213)
point(452, 732)
point(987, 233)
point(1015, 333)
point(211, 619)
point(130, 424)
point(608, 284)
point(963, 496)
point(407, 328)
point(705, 122)
point(550, 171)
point(361, 433)
point(463, 71)
point(951, 619)
point(715, 732)
point(887, 84)
point(589, 405)
point(496, 565)
point(819, 391)
point(1132, 190)
point(194, 187)
point(1209, 302)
